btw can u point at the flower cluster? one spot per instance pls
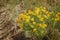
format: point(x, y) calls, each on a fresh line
point(57, 18)
point(37, 20)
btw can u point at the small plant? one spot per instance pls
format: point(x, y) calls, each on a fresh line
point(36, 21)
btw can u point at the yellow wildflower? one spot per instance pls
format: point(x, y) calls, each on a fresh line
point(52, 18)
point(39, 16)
point(25, 16)
point(42, 25)
point(41, 7)
point(34, 30)
point(41, 19)
point(42, 32)
point(27, 20)
point(36, 10)
point(34, 22)
point(28, 17)
point(58, 13)
point(34, 14)
point(21, 15)
point(32, 19)
point(57, 16)
point(44, 10)
point(48, 15)
point(45, 16)
point(51, 12)
point(29, 11)
point(57, 19)
point(21, 26)
point(31, 26)
point(39, 25)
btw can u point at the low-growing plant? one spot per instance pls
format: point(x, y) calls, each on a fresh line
point(36, 21)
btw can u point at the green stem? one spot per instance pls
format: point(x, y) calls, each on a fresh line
point(54, 26)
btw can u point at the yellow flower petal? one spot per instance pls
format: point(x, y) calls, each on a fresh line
point(41, 19)
point(32, 19)
point(34, 30)
point(34, 22)
point(45, 16)
point(31, 26)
